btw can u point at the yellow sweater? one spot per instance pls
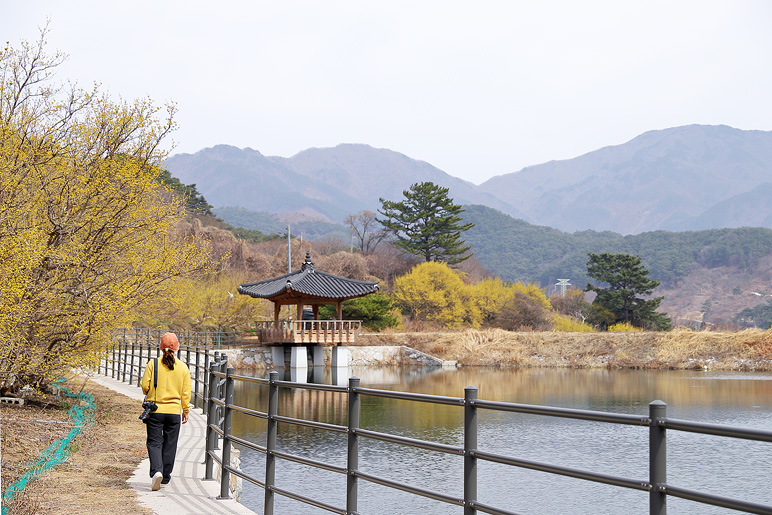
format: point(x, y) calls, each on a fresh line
point(173, 394)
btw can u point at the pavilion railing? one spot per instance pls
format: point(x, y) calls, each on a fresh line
point(309, 331)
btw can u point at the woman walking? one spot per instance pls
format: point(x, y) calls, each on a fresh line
point(172, 396)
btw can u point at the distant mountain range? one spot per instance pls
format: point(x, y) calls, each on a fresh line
point(326, 184)
point(685, 178)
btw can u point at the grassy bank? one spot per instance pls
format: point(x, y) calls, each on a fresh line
point(679, 349)
point(101, 458)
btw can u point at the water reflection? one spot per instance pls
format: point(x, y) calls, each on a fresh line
point(731, 468)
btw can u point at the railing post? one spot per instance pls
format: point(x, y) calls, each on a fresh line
point(270, 443)
point(225, 475)
point(657, 458)
point(197, 378)
point(140, 371)
point(211, 436)
point(470, 444)
point(131, 365)
point(112, 364)
point(125, 352)
point(207, 375)
point(352, 458)
point(221, 385)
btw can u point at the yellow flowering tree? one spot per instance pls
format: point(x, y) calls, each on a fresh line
point(432, 292)
point(86, 231)
point(488, 296)
point(210, 302)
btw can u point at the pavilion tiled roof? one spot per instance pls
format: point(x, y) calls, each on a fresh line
point(309, 281)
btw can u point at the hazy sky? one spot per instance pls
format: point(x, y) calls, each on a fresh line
point(475, 88)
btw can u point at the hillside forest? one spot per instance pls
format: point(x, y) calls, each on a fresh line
point(711, 278)
point(522, 263)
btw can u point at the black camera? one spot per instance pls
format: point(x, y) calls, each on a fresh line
point(148, 407)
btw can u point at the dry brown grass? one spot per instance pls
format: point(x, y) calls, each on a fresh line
point(681, 349)
point(689, 349)
point(103, 457)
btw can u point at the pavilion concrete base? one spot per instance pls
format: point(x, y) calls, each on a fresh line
point(277, 356)
point(318, 356)
point(340, 357)
point(299, 357)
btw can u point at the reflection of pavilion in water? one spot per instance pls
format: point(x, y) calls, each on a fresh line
point(313, 288)
point(321, 405)
point(370, 377)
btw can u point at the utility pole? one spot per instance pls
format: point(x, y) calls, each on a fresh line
point(289, 251)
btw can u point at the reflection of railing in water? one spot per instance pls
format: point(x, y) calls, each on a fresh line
point(222, 379)
point(309, 331)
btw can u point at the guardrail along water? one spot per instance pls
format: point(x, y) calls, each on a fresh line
point(344, 449)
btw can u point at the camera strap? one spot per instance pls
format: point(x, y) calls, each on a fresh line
point(155, 380)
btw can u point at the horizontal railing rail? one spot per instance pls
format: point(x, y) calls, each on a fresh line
point(407, 396)
point(717, 430)
point(563, 471)
point(593, 416)
point(656, 421)
point(717, 500)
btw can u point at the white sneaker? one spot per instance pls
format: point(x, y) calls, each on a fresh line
point(155, 483)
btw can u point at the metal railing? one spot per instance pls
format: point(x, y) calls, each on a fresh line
point(213, 386)
point(206, 339)
point(127, 358)
point(222, 380)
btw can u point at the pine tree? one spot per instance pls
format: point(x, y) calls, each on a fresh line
point(627, 280)
point(427, 223)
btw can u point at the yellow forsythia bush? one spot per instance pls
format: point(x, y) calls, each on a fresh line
point(570, 325)
point(624, 327)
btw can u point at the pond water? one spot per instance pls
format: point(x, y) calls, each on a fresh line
point(723, 466)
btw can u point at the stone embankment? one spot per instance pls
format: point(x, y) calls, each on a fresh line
point(259, 358)
point(749, 350)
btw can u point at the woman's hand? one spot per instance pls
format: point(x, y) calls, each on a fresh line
point(184, 418)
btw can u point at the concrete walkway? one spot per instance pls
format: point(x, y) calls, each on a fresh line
point(187, 493)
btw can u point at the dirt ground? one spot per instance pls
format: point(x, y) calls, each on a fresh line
point(102, 457)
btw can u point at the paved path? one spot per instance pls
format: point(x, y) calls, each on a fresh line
point(187, 493)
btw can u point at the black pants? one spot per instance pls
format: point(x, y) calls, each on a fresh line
point(163, 430)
